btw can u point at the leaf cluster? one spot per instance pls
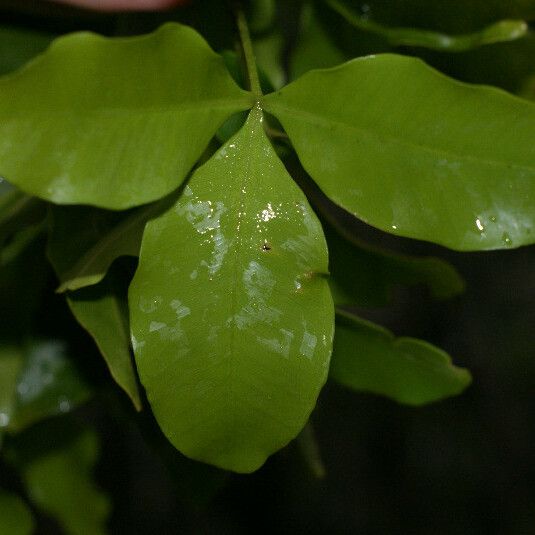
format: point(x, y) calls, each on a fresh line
point(247, 287)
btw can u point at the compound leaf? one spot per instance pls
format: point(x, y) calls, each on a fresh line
point(113, 122)
point(231, 314)
point(369, 358)
point(414, 153)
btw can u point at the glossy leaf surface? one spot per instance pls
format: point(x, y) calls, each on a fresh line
point(48, 384)
point(103, 311)
point(15, 516)
point(367, 276)
point(60, 483)
point(113, 122)
point(399, 145)
point(231, 314)
point(504, 30)
point(369, 358)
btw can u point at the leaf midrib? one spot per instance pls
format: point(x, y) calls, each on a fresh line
point(241, 204)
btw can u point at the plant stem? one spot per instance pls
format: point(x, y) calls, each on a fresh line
point(247, 45)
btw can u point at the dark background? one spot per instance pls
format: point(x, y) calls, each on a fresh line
point(462, 466)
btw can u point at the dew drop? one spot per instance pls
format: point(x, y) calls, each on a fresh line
point(480, 225)
point(506, 239)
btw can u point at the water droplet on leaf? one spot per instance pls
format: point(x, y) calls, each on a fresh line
point(506, 239)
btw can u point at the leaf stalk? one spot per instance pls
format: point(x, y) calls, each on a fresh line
point(248, 52)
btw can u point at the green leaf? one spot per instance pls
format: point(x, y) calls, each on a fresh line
point(504, 30)
point(103, 311)
point(113, 122)
point(369, 358)
point(231, 314)
point(367, 276)
point(15, 516)
point(48, 384)
point(85, 241)
point(399, 145)
point(60, 483)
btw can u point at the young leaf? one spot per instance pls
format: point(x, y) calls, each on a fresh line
point(504, 30)
point(103, 311)
point(366, 276)
point(15, 516)
point(59, 482)
point(369, 358)
point(231, 314)
point(400, 146)
point(113, 122)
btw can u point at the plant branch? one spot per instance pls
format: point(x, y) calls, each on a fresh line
point(247, 45)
